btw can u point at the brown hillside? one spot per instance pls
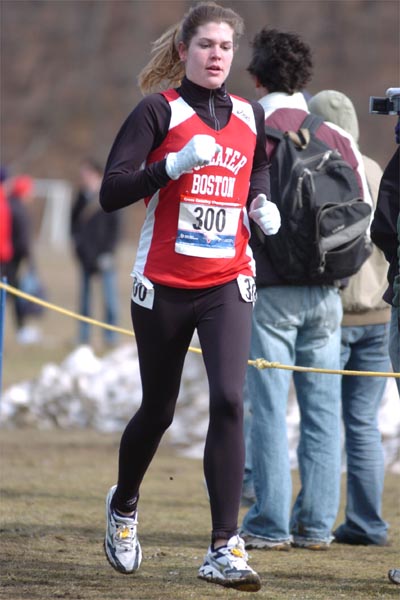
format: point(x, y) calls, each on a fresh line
point(68, 69)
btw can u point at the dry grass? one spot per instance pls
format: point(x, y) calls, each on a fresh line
point(53, 486)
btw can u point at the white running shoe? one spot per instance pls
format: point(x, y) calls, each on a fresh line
point(121, 544)
point(228, 566)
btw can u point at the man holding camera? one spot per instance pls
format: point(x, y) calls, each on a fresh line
point(385, 233)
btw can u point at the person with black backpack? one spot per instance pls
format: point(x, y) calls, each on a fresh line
point(319, 184)
point(364, 347)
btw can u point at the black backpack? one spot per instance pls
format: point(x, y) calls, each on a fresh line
point(322, 237)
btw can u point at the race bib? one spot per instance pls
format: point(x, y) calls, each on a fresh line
point(247, 288)
point(142, 291)
point(207, 228)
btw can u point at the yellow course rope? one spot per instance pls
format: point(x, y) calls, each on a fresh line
point(259, 363)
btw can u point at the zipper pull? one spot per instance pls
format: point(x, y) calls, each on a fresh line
point(324, 159)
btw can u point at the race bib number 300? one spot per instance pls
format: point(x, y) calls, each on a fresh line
point(207, 228)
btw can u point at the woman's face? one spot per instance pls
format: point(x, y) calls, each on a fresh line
point(209, 56)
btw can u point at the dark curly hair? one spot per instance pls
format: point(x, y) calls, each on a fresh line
point(281, 61)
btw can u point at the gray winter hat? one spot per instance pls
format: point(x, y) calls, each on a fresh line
point(337, 108)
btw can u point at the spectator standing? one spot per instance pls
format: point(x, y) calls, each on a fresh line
point(385, 233)
point(22, 263)
point(197, 156)
point(293, 324)
point(6, 249)
point(95, 237)
point(364, 347)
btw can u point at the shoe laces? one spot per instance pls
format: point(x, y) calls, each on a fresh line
point(237, 554)
point(124, 535)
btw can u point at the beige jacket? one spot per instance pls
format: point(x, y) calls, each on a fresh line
point(362, 299)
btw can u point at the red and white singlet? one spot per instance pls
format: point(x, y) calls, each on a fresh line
point(196, 229)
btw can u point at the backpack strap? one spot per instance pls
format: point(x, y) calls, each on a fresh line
point(312, 122)
point(277, 134)
point(301, 138)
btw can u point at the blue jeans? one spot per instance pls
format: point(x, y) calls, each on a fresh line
point(295, 325)
point(364, 348)
point(248, 487)
point(394, 342)
point(110, 300)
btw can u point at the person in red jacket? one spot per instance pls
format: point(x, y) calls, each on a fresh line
point(21, 265)
point(196, 154)
point(6, 248)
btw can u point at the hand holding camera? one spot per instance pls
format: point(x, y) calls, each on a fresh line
point(390, 105)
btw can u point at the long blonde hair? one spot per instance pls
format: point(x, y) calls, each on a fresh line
point(165, 67)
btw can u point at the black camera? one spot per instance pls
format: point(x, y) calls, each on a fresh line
point(390, 105)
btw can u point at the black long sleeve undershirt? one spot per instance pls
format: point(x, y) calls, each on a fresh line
point(126, 180)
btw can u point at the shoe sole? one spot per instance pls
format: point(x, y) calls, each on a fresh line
point(277, 548)
point(351, 542)
point(315, 547)
point(250, 584)
point(393, 576)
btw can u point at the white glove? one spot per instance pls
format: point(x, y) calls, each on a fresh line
point(265, 214)
point(197, 153)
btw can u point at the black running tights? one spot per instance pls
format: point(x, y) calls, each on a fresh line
point(163, 335)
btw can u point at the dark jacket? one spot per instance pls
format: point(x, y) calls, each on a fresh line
point(21, 233)
point(93, 231)
point(385, 227)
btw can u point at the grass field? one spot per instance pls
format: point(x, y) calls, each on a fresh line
point(53, 486)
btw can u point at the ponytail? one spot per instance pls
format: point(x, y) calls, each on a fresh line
point(165, 64)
